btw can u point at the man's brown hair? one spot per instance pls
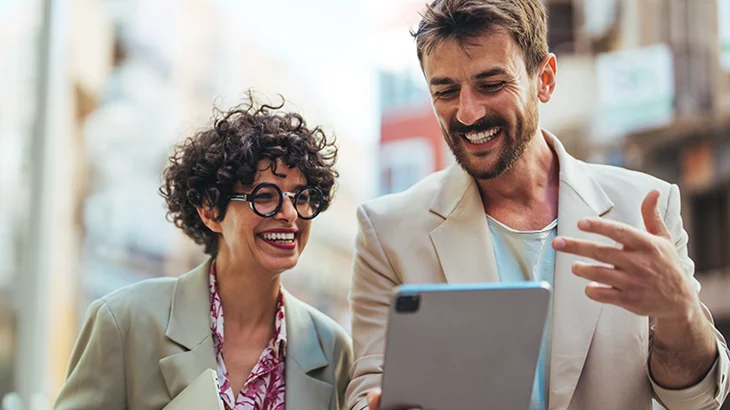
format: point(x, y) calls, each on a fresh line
point(464, 20)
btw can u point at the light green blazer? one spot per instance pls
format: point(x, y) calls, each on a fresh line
point(142, 345)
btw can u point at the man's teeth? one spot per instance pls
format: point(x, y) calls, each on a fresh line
point(482, 137)
point(279, 237)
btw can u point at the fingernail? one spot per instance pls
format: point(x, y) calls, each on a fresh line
point(583, 224)
point(558, 243)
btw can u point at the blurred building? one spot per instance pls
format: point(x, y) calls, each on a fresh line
point(18, 26)
point(42, 154)
point(411, 143)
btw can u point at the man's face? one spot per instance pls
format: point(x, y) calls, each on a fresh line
point(485, 102)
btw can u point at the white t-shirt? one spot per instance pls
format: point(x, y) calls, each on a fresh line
point(528, 256)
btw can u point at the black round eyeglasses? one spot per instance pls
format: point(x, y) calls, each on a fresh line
point(267, 199)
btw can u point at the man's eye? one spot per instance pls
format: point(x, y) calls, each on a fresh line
point(445, 93)
point(493, 86)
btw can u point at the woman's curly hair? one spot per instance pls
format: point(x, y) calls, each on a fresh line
point(203, 169)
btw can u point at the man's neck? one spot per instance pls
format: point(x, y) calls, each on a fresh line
point(529, 188)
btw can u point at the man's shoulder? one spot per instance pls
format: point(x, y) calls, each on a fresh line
point(625, 180)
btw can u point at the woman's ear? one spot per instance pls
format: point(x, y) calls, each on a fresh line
point(209, 216)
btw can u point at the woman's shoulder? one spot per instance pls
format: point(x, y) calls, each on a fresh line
point(328, 330)
point(153, 295)
point(334, 342)
point(326, 323)
point(150, 297)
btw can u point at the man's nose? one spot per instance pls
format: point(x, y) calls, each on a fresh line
point(470, 108)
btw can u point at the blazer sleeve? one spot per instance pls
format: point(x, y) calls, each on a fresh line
point(712, 390)
point(96, 373)
point(373, 279)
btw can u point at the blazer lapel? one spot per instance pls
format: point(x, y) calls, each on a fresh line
point(189, 326)
point(304, 390)
point(462, 241)
point(574, 314)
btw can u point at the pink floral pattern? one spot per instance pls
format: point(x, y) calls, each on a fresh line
point(265, 386)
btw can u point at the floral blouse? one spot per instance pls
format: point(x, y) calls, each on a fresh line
point(264, 387)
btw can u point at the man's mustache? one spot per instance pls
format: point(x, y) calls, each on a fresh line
point(483, 124)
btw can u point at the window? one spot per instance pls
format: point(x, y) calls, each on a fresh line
point(404, 162)
point(711, 230)
point(561, 30)
point(401, 90)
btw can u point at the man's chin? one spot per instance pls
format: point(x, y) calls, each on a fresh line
point(478, 170)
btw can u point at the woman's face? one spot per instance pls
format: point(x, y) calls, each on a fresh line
point(270, 244)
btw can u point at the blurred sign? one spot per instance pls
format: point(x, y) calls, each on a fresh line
point(635, 91)
point(598, 16)
point(723, 15)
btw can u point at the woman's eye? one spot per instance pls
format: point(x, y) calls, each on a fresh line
point(264, 197)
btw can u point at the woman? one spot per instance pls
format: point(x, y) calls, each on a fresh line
point(246, 189)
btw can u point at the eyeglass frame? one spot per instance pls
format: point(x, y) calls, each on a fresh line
point(293, 195)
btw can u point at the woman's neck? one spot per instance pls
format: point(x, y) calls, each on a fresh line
point(248, 296)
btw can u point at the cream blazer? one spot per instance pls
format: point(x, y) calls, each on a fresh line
point(142, 345)
point(437, 232)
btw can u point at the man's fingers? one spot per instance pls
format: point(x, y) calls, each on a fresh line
point(589, 249)
point(624, 234)
point(603, 293)
point(653, 220)
point(601, 274)
point(374, 399)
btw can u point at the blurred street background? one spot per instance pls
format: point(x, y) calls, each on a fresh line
point(94, 93)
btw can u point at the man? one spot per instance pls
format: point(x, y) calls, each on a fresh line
point(627, 323)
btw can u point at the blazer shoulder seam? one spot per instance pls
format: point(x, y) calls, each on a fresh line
point(106, 306)
point(379, 243)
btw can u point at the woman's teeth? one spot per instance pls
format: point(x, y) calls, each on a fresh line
point(279, 237)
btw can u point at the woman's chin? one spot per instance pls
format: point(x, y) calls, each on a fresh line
point(279, 265)
point(276, 260)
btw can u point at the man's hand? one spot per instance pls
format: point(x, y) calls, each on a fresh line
point(646, 276)
point(374, 400)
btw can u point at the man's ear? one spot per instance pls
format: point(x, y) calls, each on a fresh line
point(209, 216)
point(548, 77)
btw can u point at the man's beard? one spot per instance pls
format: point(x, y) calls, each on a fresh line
point(516, 141)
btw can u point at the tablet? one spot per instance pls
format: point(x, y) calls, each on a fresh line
point(202, 393)
point(472, 346)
